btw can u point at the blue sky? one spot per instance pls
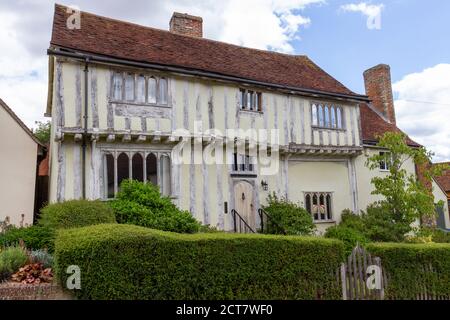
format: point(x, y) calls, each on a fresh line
point(413, 38)
point(414, 35)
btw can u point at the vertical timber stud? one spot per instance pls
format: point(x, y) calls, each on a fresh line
point(85, 116)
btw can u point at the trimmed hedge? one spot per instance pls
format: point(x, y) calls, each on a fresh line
point(131, 262)
point(405, 265)
point(76, 213)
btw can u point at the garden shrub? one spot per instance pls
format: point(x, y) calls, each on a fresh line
point(11, 259)
point(142, 204)
point(408, 269)
point(131, 262)
point(42, 257)
point(352, 221)
point(76, 213)
point(440, 236)
point(287, 217)
point(350, 237)
point(381, 226)
point(34, 237)
point(434, 234)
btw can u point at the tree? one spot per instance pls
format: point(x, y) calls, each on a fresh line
point(42, 132)
point(405, 198)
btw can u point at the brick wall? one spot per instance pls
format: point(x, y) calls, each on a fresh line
point(187, 25)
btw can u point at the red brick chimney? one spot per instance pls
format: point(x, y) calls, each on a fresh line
point(379, 89)
point(186, 25)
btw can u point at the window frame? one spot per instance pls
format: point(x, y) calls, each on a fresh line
point(328, 205)
point(250, 100)
point(387, 165)
point(243, 164)
point(136, 78)
point(130, 153)
point(319, 119)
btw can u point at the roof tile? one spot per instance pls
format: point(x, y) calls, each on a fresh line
point(123, 40)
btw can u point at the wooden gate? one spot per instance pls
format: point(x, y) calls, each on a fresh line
point(360, 269)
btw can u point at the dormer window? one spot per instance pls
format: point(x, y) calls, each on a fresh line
point(250, 100)
point(327, 116)
point(139, 89)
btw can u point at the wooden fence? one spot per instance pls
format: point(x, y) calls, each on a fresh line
point(360, 266)
point(355, 274)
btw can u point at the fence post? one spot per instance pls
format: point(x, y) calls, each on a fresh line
point(344, 282)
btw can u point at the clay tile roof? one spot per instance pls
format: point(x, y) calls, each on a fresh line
point(444, 180)
point(123, 40)
point(374, 125)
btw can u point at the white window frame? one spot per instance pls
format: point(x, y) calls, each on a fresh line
point(384, 165)
point(245, 164)
point(158, 94)
point(250, 100)
point(164, 182)
point(325, 116)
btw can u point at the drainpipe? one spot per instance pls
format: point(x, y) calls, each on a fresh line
point(85, 133)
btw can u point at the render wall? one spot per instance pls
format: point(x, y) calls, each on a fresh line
point(17, 171)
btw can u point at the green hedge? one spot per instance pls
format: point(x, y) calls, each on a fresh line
point(76, 213)
point(131, 262)
point(408, 265)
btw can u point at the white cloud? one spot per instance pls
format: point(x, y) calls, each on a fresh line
point(371, 11)
point(25, 31)
point(22, 73)
point(423, 108)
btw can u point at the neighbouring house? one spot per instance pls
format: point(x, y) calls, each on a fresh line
point(21, 155)
point(125, 99)
point(441, 188)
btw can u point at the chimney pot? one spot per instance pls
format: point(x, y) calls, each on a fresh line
point(186, 25)
point(378, 85)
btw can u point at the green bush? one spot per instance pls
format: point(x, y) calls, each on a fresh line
point(440, 236)
point(142, 204)
point(42, 256)
point(131, 262)
point(408, 268)
point(381, 226)
point(34, 237)
point(287, 217)
point(436, 235)
point(11, 259)
point(76, 213)
point(349, 236)
point(352, 221)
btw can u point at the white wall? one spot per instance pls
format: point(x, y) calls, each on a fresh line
point(440, 195)
point(364, 177)
point(18, 156)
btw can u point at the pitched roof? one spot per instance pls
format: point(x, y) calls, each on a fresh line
point(374, 125)
point(444, 180)
point(19, 122)
point(124, 40)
